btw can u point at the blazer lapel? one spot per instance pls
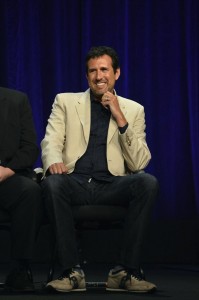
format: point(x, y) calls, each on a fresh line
point(83, 111)
point(112, 129)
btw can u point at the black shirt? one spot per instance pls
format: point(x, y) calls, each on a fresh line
point(93, 164)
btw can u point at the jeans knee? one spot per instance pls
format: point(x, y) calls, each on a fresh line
point(149, 183)
point(52, 182)
point(54, 187)
point(152, 181)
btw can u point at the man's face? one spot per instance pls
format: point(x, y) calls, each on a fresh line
point(101, 77)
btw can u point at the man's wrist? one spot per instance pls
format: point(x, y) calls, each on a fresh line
point(123, 128)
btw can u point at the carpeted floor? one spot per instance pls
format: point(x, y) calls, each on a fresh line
point(176, 282)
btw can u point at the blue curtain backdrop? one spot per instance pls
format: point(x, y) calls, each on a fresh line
point(43, 46)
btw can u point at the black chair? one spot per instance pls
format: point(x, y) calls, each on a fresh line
point(95, 217)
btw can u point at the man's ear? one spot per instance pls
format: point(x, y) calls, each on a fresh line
point(117, 74)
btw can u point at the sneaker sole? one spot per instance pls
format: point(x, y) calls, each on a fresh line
point(130, 291)
point(69, 291)
point(50, 288)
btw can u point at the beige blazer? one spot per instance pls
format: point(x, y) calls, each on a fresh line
point(67, 135)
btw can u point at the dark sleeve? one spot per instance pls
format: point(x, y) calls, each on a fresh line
point(123, 129)
point(24, 142)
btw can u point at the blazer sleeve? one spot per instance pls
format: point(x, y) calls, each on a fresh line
point(22, 145)
point(133, 142)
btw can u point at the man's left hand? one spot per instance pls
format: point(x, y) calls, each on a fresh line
point(110, 101)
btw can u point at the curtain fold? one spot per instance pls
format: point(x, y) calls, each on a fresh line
point(43, 47)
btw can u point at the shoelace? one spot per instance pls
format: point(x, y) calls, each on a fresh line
point(73, 279)
point(129, 276)
point(66, 275)
point(136, 276)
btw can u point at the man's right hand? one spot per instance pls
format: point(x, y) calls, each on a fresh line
point(5, 173)
point(58, 168)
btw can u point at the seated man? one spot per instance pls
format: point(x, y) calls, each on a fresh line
point(94, 141)
point(20, 196)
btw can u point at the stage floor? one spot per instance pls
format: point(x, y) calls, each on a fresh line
point(178, 282)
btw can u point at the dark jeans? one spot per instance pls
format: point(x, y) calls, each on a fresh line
point(137, 192)
point(21, 197)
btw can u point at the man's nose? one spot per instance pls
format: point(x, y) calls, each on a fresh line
point(98, 75)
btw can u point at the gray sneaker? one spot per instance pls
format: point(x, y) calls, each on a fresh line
point(125, 282)
point(73, 282)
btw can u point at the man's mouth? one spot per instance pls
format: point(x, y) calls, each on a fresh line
point(101, 84)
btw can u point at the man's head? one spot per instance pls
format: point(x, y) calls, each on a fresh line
point(95, 52)
point(102, 69)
